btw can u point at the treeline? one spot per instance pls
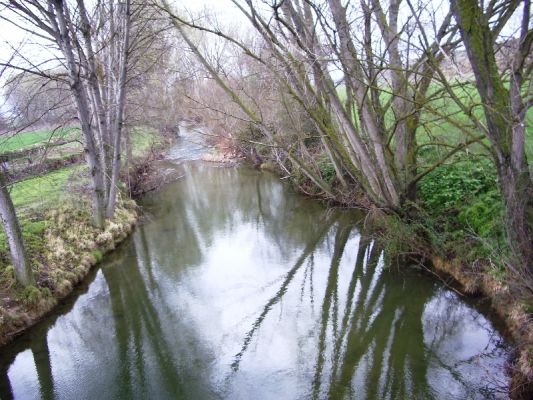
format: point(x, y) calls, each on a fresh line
point(374, 96)
point(108, 68)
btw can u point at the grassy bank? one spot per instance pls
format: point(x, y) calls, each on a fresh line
point(27, 140)
point(55, 217)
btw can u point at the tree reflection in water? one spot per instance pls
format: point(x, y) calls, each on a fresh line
point(237, 288)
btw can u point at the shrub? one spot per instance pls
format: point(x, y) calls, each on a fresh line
point(453, 185)
point(31, 295)
point(327, 170)
point(462, 204)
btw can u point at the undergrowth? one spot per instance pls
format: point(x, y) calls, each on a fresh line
point(461, 212)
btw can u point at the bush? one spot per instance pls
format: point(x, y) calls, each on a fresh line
point(454, 185)
point(463, 206)
point(31, 295)
point(327, 170)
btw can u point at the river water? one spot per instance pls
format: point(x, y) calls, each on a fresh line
point(235, 287)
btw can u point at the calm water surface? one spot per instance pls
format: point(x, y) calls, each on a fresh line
point(237, 288)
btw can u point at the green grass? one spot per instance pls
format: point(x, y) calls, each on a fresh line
point(41, 192)
point(46, 191)
point(32, 231)
point(26, 140)
point(142, 140)
point(438, 126)
point(32, 198)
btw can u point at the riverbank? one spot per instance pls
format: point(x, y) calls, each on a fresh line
point(72, 247)
point(61, 242)
point(512, 306)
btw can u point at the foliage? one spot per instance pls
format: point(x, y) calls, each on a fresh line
point(463, 209)
point(452, 185)
point(327, 170)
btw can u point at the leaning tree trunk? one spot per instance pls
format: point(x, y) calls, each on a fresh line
point(505, 113)
point(11, 226)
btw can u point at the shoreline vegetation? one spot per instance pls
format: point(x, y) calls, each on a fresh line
point(63, 245)
point(423, 118)
point(404, 239)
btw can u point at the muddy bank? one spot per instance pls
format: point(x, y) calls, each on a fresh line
point(512, 310)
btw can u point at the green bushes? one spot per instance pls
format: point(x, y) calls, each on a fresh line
point(31, 295)
point(327, 170)
point(451, 186)
point(463, 209)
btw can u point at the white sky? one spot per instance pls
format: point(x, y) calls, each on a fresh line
point(12, 37)
point(225, 12)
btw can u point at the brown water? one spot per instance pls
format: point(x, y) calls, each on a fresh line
point(237, 288)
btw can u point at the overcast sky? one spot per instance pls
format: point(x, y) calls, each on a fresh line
point(12, 37)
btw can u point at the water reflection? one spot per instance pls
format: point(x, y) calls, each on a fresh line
point(238, 289)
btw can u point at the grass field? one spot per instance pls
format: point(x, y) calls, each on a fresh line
point(444, 123)
point(33, 197)
point(142, 140)
point(25, 140)
point(43, 191)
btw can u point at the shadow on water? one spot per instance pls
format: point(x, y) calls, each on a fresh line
point(237, 288)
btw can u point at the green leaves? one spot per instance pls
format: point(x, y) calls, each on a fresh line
point(464, 206)
point(451, 187)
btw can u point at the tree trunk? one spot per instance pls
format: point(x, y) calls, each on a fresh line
point(23, 272)
point(517, 194)
point(505, 114)
point(121, 100)
point(81, 97)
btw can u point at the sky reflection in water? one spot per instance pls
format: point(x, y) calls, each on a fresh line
point(237, 288)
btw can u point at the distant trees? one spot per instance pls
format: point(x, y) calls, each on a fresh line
point(39, 99)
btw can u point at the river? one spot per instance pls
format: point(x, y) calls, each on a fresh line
point(235, 287)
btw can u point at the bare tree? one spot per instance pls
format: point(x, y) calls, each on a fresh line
point(82, 36)
point(371, 134)
point(33, 98)
point(119, 94)
point(10, 223)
